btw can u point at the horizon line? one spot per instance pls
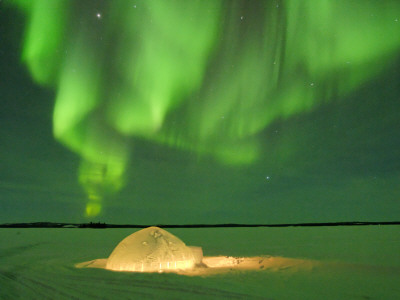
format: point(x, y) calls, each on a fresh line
point(220, 225)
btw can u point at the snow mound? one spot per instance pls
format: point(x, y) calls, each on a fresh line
point(153, 250)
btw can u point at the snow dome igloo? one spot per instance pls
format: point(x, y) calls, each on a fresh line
point(153, 250)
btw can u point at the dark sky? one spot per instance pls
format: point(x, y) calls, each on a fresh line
point(233, 113)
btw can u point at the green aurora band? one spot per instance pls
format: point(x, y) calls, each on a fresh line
point(201, 75)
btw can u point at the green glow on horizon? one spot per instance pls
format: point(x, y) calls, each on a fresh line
point(205, 76)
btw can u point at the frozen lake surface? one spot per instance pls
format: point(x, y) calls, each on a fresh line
point(358, 262)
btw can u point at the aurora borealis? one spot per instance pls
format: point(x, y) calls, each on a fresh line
point(200, 111)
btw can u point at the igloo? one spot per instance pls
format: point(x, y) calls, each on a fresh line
point(153, 250)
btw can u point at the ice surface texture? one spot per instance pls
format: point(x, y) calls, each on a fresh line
point(356, 262)
point(152, 250)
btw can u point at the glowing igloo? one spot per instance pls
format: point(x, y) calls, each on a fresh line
point(153, 250)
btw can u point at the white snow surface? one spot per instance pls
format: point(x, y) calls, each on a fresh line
point(360, 262)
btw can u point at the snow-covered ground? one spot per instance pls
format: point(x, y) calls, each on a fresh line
point(359, 262)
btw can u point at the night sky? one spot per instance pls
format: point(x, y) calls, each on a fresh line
point(213, 111)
